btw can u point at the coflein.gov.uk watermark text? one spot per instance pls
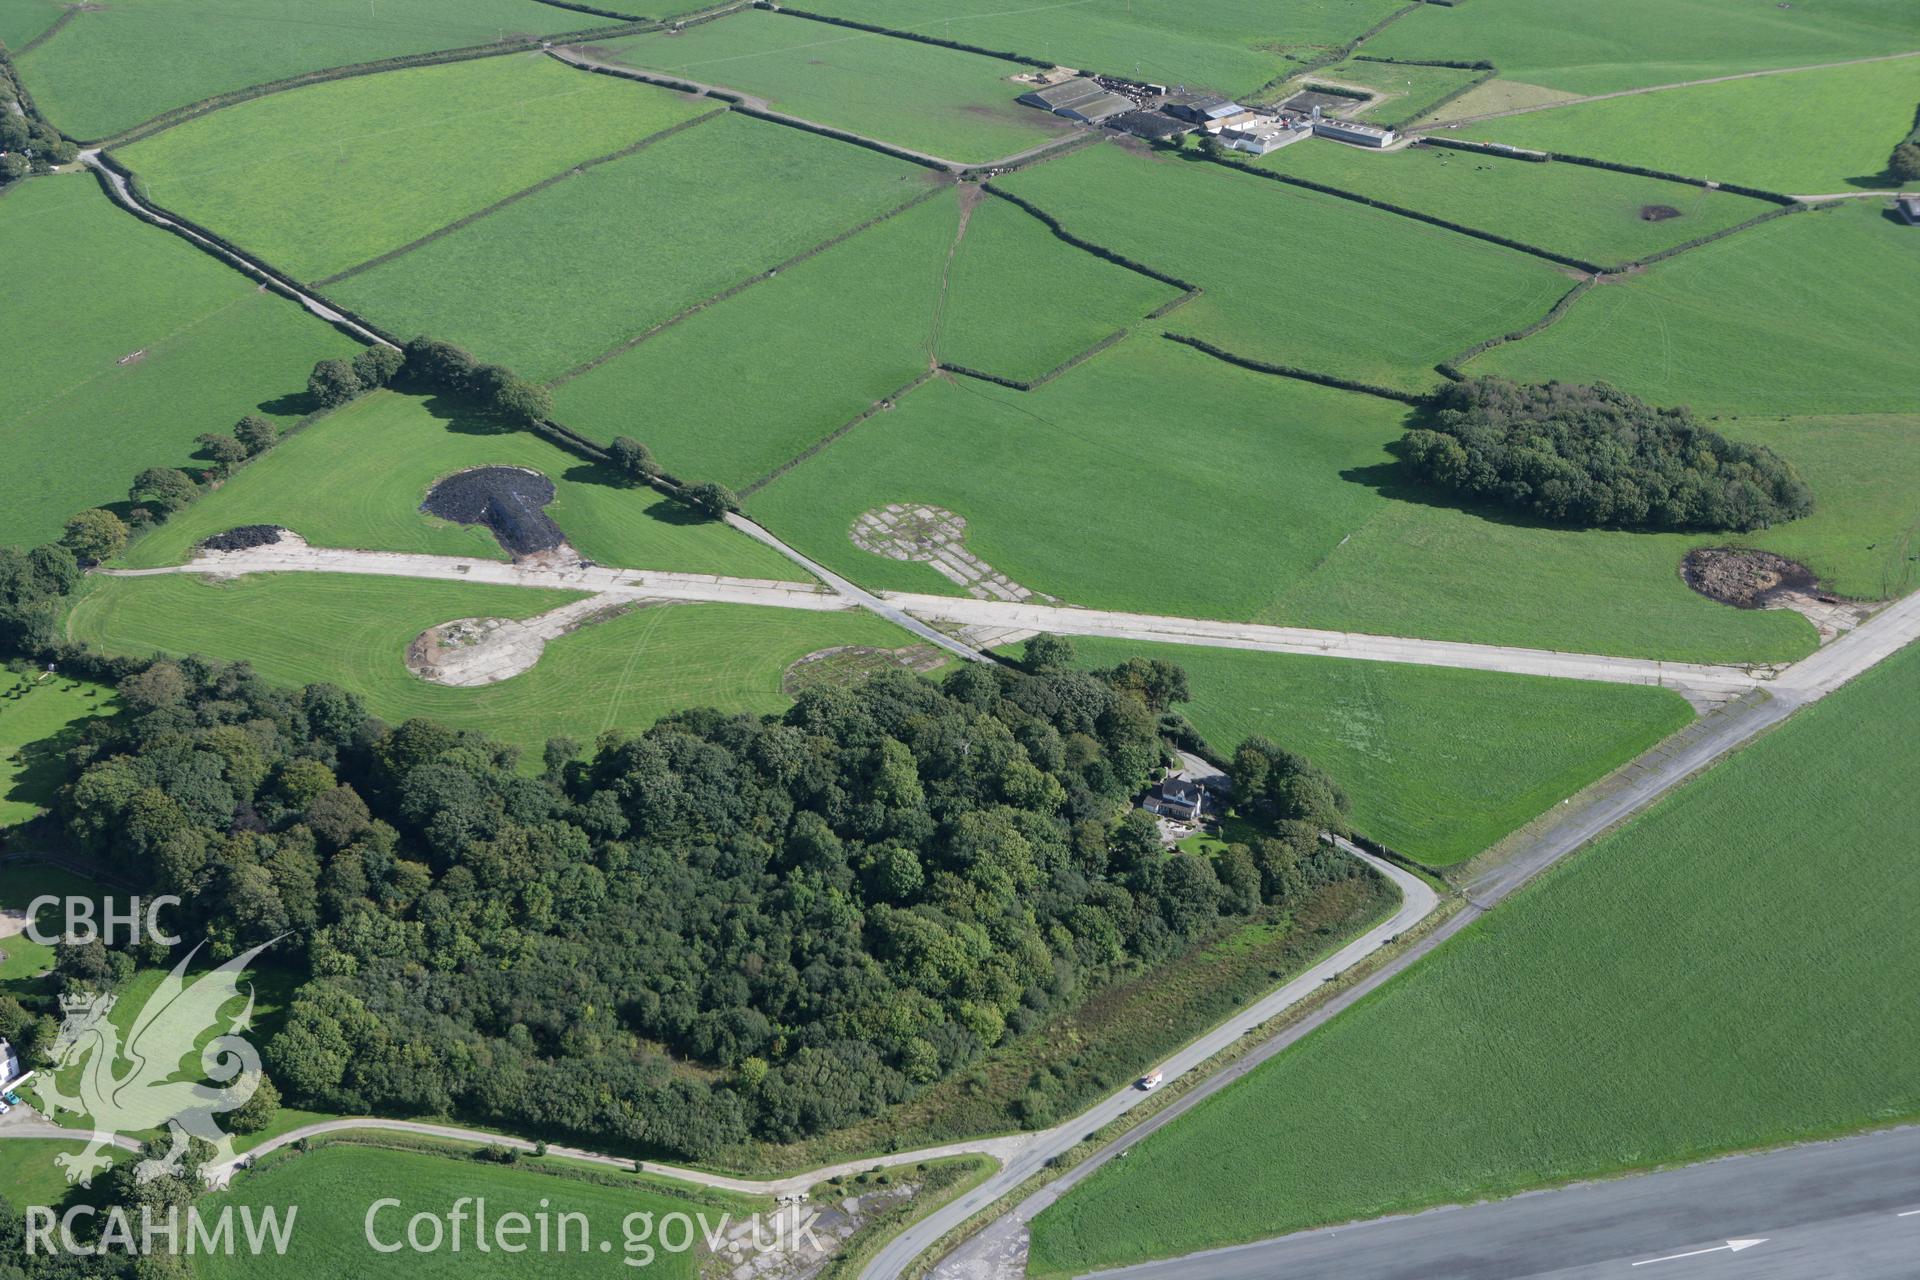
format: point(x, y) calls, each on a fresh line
point(468, 1225)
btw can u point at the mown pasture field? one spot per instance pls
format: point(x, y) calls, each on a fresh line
point(1863, 538)
point(1586, 48)
point(737, 389)
point(1441, 764)
point(1665, 995)
point(20, 884)
point(317, 180)
point(1230, 494)
point(22, 21)
point(563, 276)
point(336, 1185)
point(352, 631)
point(1233, 46)
point(357, 478)
point(1759, 133)
point(1021, 301)
point(1801, 315)
point(123, 344)
point(1291, 276)
point(1589, 213)
point(942, 102)
point(1407, 90)
point(117, 65)
point(35, 712)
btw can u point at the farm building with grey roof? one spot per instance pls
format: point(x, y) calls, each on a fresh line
point(1078, 99)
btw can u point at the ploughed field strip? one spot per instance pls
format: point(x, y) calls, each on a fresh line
point(318, 180)
point(113, 66)
point(123, 344)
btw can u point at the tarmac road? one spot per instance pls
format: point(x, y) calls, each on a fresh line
point(1832, 1209)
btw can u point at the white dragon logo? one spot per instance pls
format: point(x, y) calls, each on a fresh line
point(148, 1096)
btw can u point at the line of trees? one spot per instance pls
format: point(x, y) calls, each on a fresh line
point(1596, 456)
point(828, 909)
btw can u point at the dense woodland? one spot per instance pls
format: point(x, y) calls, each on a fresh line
point(724, 928)
point(1596, 456)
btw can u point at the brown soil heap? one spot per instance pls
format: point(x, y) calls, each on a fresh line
point(1744, 578)
point(1657, 212)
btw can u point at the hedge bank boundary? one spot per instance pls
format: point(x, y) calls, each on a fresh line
point(462, 223)
point(1034, 384)
point(1327, 58)
point(590, 11)
point(1294, 371)
point(740, 287)
point(898, 33)
point(1445, 99)
point(58, 25)
point(227, 253)
point(180, 115)
point(1489, 148)
point(878, 406)
point(1087, 246)
point(1450, 368)
point(740, 104)
point(1386, 206)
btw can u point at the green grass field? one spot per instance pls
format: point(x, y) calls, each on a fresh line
point(1863, 538)
point(116, 65)
point(354, 632)
point(1800, 315)
point(1588, 48)
point(124, 343)
point(943, 102)
point(35, 713)
point(381, 454)
point(1407, 91)
point(1572, 209)
point(1291, 276)
point(1826, 131)
point(1021, 301)
point(1234, 46)
point(1229, 494)
point(318, 179)
point(1440, 764)
point(1730, 970)
point(336, 1186)
point(24, 20)
point(562, 276)
point(740, 388)
point(20, 884)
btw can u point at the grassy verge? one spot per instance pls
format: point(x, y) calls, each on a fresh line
point(1650, 1001)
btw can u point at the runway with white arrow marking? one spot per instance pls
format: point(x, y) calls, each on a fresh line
point(1849, 1208)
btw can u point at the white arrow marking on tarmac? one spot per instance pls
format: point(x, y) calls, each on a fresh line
point(1731, 1246)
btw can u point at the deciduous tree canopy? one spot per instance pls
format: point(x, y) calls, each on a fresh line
point(1599, 457)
